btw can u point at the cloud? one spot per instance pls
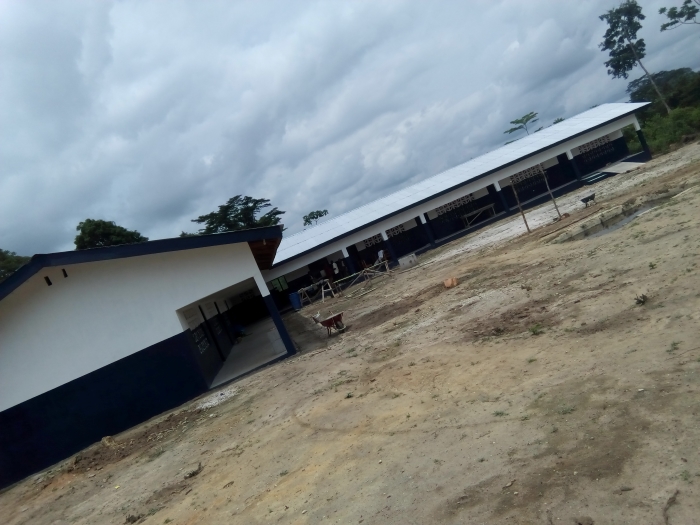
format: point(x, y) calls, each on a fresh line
point(151, 113)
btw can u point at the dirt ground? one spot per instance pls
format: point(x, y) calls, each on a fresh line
point(535, 391)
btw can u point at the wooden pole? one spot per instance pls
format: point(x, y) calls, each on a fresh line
point(519, 207)
point(550, 191)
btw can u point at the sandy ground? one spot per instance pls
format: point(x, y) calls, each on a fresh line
point(536, 391)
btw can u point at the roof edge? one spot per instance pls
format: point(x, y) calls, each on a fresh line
point(123, 251)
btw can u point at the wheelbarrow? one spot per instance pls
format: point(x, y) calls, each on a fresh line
point(334, 322)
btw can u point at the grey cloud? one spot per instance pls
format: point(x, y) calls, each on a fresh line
point(151, 113)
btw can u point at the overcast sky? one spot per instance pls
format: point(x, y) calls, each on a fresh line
point(152, 113)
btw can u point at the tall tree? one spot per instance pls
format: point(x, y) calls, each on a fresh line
point(239, 212)
point(620, 40)
point(10, 262)
point(686, 14)
point(522, 122)
point(96, 233)
point(558, 120)
point(314, 216)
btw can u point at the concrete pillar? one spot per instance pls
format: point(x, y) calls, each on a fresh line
point(211, 335)
point(574, 164)
point(389, 247)
point(643, 142)
point(502, 197)
point(279, 324)
point(642, 138)
point(428, 230)
point(349, 264)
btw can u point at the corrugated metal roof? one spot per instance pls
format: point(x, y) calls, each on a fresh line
point(384, 207)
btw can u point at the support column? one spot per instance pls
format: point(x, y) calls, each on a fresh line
point(504, 202)
point(211, 335)
point(349, 264)
point(389, 247)
point(573, 162)
point(279, 324)
point(428, 230)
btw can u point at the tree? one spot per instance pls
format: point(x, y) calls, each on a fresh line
point(558, 120)
point(681, 86)
point(95, 233)
point(522, 122)
point(314, 216)
point(239, 212)
point(686, 14)
point(620, 40)
point(10, 262)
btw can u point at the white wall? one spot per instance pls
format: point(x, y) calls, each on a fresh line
point(544, 157)
point(104, 311)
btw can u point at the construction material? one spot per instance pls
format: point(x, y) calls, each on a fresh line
point(450, 283)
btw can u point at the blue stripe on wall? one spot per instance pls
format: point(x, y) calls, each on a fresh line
point(52, 426)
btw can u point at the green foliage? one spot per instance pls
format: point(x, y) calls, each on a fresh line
point(681, 88)
point(10, 262)
point(522, 122)
point(620, 39)
point(662, 131)
point(558, 120)
point(631, 139)
point(96, 233)
point(536, 329)
point(314, 216)
point(686, 14)
point(239, 213)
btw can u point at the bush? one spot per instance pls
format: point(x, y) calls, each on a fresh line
point(663, 131)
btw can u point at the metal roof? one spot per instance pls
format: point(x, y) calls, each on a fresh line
point(384, 207)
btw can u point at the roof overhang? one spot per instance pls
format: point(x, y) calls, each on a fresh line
point(263, 244)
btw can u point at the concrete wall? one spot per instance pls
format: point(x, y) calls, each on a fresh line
point(104, 311)
point(547, 157)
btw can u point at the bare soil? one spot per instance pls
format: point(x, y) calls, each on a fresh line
point(536, 391)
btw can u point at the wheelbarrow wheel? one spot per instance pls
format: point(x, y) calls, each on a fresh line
point(339, 326)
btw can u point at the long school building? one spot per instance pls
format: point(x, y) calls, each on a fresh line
point(462, 199)
point(95, 341)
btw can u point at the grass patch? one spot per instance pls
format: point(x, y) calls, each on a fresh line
point(536, 329)
point(531, 360)
point(566, 409)
point(500, 413)
point(284, 473)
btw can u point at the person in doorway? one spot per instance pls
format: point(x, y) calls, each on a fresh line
point(336, 270)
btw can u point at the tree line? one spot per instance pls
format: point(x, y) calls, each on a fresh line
point(674, 113)
point(238, 213)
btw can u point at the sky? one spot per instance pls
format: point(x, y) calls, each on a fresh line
point(151, 113)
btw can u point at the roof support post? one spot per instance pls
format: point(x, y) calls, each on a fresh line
point(279, 324)
point(517, 199)
point(426, 227)
point(389, 246)
point(501, 197)
point(574, 164)
point(544, 175)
